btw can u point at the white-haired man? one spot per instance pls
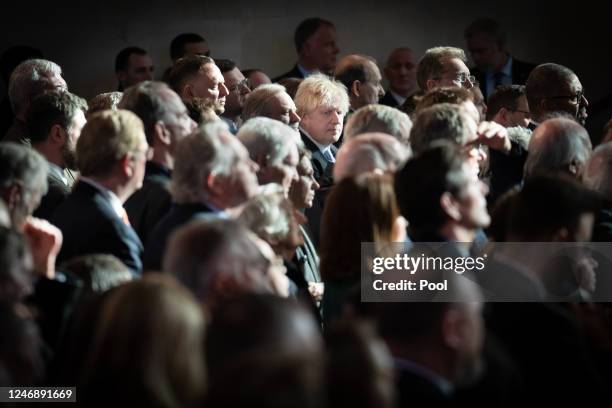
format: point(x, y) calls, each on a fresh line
point(30, 79)
point(274, 147)
point(272, 101)
point(212, 173)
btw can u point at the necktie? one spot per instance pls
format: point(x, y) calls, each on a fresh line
point(328, 155)
point(498, 78)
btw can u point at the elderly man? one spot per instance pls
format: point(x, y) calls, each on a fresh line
point(370, 152)
point(166, 122)
point(486, 41)
point(553, 88)
point(274, 147)
point(23, 181)
point(443, 66)
point(55, 121)
point(315, 43)
point(322, 104)
point(111, 155)
point(30, 79)
point(132, 66)
point(212, 174)
point(361, 76)
point(272, 101)
point(400, 72)
point(558, 146)
point(199, 81)
point(379, 118)
point(238, 88)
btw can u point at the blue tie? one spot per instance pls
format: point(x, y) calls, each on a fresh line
point(328, 155)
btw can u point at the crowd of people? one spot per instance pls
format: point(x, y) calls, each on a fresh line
point(196, 240)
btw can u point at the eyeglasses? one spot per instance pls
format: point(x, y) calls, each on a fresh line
point(240, 85)
point(526, 113)
point(462, 78)
point(576, 99)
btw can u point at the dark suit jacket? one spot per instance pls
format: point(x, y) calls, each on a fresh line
point(414, 391)
point(293, 73)
point(90, 225)
point(149, 204)
point(520, 73)
point(56, 194)
point(179, 215)
point(389, 100)
point(323, 173)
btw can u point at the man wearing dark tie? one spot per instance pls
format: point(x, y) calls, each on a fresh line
point(321, 103)
point(111, 154)
point(54, 123)
point(486, 42)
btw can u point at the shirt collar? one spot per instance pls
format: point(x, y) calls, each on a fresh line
point(322, 148)
point(398, 98)
point(304, 71)
point(58, 172)
point(112, 197)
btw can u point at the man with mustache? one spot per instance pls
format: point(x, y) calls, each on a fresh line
point(55, 121)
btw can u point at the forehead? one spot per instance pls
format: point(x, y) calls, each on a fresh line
point(138, 60)
point(522, 103)
point(455, 65)
point(212, 73)
point(233, 75)
point(401, 57)
point(372, 69)
point(196, 48)
point(283, 101)
point(324, 33)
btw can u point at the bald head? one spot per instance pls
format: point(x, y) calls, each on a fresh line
point(558, 145)
point(362, 78)
point(369, 152)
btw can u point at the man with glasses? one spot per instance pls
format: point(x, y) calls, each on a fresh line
point(508, 106)
point(444, 66)
point(553, 89)
point(238, 87)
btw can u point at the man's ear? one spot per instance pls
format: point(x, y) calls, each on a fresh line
point(430, 84)
point(450, 206)
point(356, 88)
point(57, 135)
point(161, 133)
point(12, 195)
point(126, 165)
point(212, 183)
point(187, 92)
point(503, 114)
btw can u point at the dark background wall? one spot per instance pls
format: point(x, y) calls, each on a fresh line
point(84, 37)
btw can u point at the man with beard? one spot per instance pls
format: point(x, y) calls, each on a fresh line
point(199, 82)
point(554, 90)
point(55, 121)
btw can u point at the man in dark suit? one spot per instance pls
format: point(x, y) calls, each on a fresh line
point(212, 173)
point(322, 114)
point(494, 65)
point(55, 121)
point(315, 43)
point(400, 71)
point(166, 121)
point(111, 154)
point(28, 80)
point(361, 77)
